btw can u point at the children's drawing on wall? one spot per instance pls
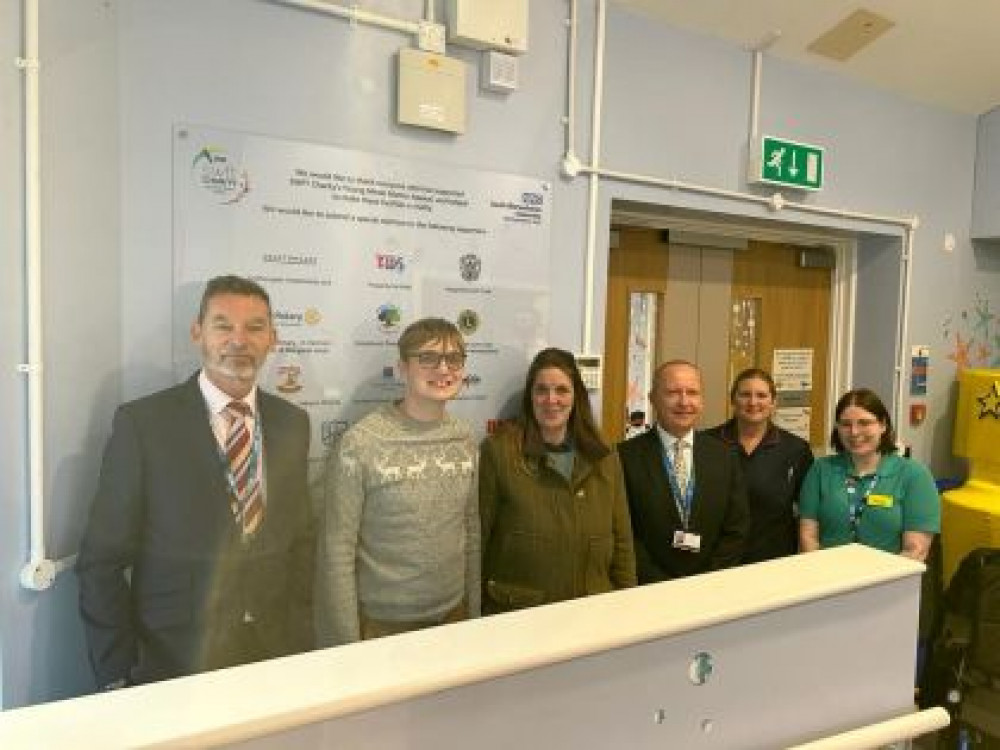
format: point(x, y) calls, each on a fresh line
point(973, 335)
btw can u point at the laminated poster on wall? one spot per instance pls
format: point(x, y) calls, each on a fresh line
point(792, 369)
point(352, 247)
point(796, 419)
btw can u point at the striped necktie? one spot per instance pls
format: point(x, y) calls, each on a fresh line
point(247, 505)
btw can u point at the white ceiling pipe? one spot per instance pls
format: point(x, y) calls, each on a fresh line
point(39, 571)
point(356, 15)
point(642, 179)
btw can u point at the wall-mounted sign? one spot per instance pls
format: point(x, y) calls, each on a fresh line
point(353, 247)
point(782, 162)
point(919, 360)
point(792, 370)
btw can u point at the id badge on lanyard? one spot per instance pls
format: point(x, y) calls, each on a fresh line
point(683, 538)
point(857, 498)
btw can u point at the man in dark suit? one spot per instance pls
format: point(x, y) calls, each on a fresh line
point(686, 493)
point(199, 550)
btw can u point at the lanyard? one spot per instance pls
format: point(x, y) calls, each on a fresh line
point(857, 498)
point(684, 500)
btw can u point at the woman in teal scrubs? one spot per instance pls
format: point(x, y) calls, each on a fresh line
point(866, 493)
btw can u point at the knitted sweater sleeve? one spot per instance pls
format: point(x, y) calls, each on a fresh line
point(343, 504)
point(473, 553)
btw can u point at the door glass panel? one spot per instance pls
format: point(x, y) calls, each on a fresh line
point(744, 335)
point(642, 316)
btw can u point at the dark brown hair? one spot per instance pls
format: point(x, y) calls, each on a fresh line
point(753, 373)
point(231, 285)
point(867, 400)
point(581, 429)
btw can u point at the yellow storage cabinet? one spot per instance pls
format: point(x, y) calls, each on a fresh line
point(970, 515)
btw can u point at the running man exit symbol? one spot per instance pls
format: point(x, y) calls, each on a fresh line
point(789, 163)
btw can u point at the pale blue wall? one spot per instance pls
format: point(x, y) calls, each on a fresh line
point(118, 74)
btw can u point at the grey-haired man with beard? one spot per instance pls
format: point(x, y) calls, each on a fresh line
point(199, 550)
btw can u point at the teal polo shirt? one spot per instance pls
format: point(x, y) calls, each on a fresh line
point(903, 498)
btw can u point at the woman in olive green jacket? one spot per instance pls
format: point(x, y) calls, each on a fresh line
point(552, 498)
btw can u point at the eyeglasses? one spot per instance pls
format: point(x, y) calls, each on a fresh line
point(860, 424)
point(433, 360)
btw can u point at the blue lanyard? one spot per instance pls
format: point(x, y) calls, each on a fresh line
point(856, 501)
point(684, 500)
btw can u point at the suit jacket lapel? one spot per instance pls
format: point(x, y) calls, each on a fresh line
point(204, 447)
point(275, 431)
point(701, 470)
point(659, 483)
point(271, 446)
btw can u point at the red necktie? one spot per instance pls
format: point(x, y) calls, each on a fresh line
point(248, 505)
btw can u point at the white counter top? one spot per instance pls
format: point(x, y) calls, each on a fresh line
point(244, 702)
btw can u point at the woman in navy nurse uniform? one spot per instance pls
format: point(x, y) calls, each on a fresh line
point(774, 463)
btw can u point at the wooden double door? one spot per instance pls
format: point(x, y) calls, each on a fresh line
point(725, 309)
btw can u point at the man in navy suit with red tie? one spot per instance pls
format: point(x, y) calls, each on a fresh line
point(686, 493)
point(198, 553)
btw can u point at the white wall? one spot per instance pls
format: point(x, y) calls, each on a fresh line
point(118, 74)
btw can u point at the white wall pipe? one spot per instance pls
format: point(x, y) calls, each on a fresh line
point(39, 571)
point(903, 327)
point(758, 64)
point(569, 121)
point(595, 182)
point(355, 14)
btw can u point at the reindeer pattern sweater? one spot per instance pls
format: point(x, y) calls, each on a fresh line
point(401, 540)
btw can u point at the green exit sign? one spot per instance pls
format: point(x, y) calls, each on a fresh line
point(788, 163)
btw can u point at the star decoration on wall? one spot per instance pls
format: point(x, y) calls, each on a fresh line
point(960, 356)
point(983, 316)
point(989, 402)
